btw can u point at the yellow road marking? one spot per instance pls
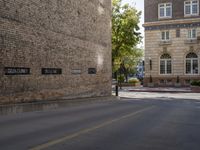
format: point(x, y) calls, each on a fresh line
point(84, 131)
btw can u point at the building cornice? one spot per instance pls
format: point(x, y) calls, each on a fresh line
point(164, 22)
point(167, 24)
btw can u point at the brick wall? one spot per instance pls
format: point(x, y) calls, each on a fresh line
point(71, 35)
point(151, 9)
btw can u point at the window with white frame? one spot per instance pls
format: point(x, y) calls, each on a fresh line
point(191, 7)
point(191, 63)
point(192, 34)
point(165, 10)
point(165, 64)
point(165, 35)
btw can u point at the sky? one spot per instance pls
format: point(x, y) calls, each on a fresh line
point(139, 4)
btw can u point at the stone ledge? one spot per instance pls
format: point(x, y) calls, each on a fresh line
point(163, 43)
point(191, 41)
point(164, 22)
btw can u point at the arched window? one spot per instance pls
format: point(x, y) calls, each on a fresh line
point(191, 63)
point(165, 64)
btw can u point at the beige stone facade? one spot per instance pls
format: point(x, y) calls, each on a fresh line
point(72, 38)
point(176, 47)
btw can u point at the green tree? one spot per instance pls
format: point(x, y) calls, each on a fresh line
point(129, 62)
point(125, 37)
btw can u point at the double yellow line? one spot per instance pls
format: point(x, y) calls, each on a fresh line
point(84, 131)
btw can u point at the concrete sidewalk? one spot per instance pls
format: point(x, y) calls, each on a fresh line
point(158, 89)
point(161, 94)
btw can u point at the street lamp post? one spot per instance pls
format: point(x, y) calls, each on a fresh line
point(150, 68)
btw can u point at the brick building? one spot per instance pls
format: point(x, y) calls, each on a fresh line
point(54, 48)
point(172, 42)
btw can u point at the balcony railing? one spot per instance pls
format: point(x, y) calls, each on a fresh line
point(168, 42)
point(191, 41)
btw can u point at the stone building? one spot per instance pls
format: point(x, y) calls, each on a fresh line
point(172, 42)
point(54, 48)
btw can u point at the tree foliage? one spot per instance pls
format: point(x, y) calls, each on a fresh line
point(125, 36)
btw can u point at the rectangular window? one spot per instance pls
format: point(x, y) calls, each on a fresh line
point(165, 35)
point(195, 67)
point(168, 10)
point(165, 66)
point(162, 67)
point(169, 68)
point(187, 8)
point(162, 11)
point(165, 10)
point(192, 66)
point(194, 7)
point(192, 34)
point(191, 7)
point(188, 66)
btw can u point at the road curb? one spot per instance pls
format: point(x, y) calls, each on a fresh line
point(50, 104)
point(159, 91)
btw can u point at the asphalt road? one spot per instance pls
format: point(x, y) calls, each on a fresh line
point(126, 124)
